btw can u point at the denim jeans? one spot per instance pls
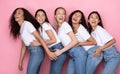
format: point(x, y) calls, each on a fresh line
point(92, 62)
point(56, 65)
point(77, 62)
point(36, 58)
point(112, 60)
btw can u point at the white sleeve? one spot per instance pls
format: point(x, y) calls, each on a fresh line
point(104, 35)
point(84, 33)
point(67, 28)
point(46, 26)
point(31, 28)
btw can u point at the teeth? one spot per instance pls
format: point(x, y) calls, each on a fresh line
point(75, 19)
point(60, 18)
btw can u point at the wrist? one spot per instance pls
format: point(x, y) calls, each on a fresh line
point(48, 52)
point(100, 49)
point(61, 51)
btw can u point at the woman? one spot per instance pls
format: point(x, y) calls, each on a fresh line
point(69, 41)
point(51, 39)
point(78, 24)
point(22, 23)
point(106, 43)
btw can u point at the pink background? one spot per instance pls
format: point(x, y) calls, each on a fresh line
point(10, 49)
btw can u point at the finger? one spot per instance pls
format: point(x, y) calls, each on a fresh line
point(55, 57)
point(20, 68)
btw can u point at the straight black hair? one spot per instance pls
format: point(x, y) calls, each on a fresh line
point(46, 18)
point(100, 23)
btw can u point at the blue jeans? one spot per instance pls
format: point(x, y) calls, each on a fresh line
point(92, 62)
point(77, 62)
point(56, 65)
point(36, 58)
point(112, 60)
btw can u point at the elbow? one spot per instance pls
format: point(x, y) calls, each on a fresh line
point(94, 42)
point(114, 41)
point(76, 42)
point(54, 40)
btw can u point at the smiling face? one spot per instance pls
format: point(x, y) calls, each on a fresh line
point(40, 17)
point(93, 20)
point(60, 15)
point(76, 18)
point(19, 15)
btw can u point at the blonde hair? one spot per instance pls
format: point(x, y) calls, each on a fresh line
point(55, 22)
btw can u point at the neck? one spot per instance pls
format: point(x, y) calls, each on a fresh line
point(20, 22)
point(93, 28)
point(60, 23)
point(75, 27)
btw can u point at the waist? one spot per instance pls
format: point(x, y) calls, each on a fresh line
point(56, 46)
point(53, 44)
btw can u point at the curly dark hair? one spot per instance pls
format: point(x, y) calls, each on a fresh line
point(14, 26)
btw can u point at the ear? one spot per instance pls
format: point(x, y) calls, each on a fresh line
point(98, 21)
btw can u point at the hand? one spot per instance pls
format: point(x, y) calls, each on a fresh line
point(58, 52)
point(52, 56)
point(20, 66)
point(97, 52)
point(35, 43)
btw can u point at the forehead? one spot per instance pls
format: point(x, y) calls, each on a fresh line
point(94, 14)
point(77, 13)
point(60, 10)
point(40, 12)
point(19, 10)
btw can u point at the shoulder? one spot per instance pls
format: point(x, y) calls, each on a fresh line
point(27, 23)
point(65, 24)
point(46, 25)
point(82, 28)
point(100, 28)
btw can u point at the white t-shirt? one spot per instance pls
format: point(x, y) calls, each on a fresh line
point(26, 32)
point(82, 35)
point(101, 36)
point(63, 31)
point(46, 26)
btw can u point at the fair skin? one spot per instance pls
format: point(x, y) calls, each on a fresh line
point(60, 18)
point(20, 19)
point(40, 17)
point(76, 19)
point(94, 20)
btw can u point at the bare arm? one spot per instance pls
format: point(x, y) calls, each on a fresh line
point(48, 42)
point(51, 36)
point(108, 44)
point(90, 41)
point(51, 55)
point(70, 45)
point(22, 54)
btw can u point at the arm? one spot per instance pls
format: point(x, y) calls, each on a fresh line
point(108, 44)
point(48, 42)
point(51, 55)
point(22, 54)
point(70, 45)
point(51, 36)
point(90, 41)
